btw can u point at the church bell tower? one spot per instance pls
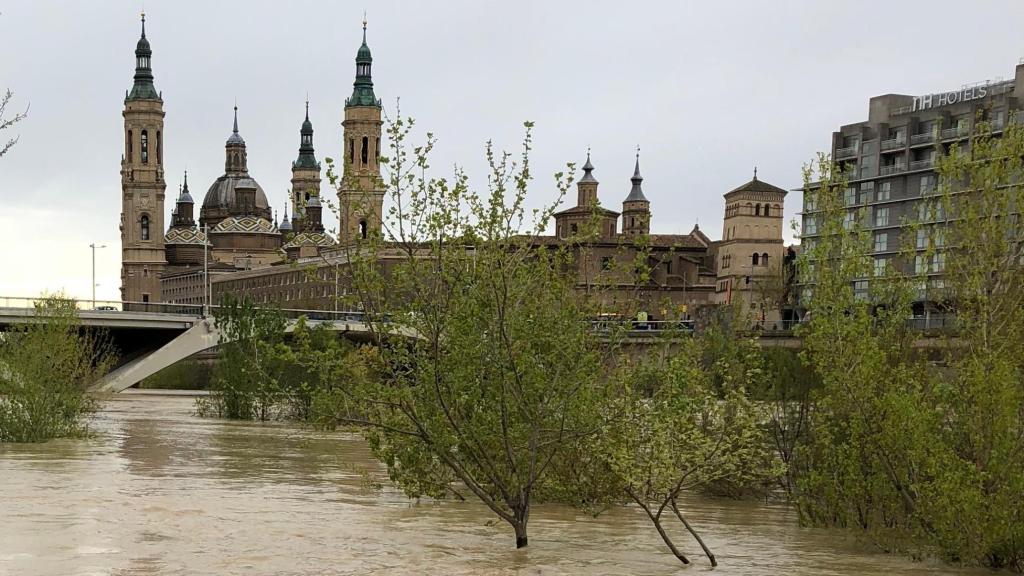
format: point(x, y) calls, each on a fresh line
point(361, 198)
point(143, 256)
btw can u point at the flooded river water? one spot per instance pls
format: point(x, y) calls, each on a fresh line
point(160, 491)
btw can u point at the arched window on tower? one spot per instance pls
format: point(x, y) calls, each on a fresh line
point(364, 153)
point(764, 259)
point(376, 150)
point(144, 225)
point(131, 147)
point(757, 210)
point(144, 147)
point(363, 229)
point(159, 148)
point(755, 259)
point(351, 150)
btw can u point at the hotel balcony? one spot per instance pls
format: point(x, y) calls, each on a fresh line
point(849, 152)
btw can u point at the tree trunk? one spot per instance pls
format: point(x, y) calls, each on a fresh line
point(656, 520)
point(696, 536)
point(520, 528)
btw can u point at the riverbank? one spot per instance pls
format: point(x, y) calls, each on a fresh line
point(159, 491)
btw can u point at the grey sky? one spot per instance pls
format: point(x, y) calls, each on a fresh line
point(708, 90)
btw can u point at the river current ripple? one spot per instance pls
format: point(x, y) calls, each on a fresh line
point(158, 491)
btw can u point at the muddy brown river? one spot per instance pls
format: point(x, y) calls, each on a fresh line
point(160, 491)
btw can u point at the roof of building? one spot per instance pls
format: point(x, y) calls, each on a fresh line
point(587, 210)
point(247, 224)
point(235, 137)
point(222, 192)
point(182, 235)
point(143, 88)
point(756, 185)
point(588, 170)
point(319, 239)
point(636, 193)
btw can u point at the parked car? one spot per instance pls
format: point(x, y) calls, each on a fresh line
point(107, 308)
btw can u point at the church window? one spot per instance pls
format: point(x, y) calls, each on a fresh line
point(757, 210)
point(159, 148)
point(130, 146)
point(364, 152)
point(144, 148)
point(606, 263)
point(363, 229)
point(766, 210)
point(351, 150)
point(144, 227)
point(755, 259)
point(764, 259)
point(572, 228)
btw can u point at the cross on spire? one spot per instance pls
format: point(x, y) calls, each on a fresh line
point(755, 172)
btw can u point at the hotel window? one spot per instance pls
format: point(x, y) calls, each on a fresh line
point(939, 262)
point(882, 216)
point(860, 289)
point(927, 184)
point(810, 201)
point(849, 220)
point(920, 264)
point(884, 192)
point(922, 239)
point(881, 242)
point(880, 264)
point(850, 196)
point(810, 226)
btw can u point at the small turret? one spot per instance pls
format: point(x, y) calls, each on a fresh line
point(235, 161)
point(636, 208)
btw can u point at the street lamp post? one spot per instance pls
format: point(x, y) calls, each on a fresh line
point(94, 247)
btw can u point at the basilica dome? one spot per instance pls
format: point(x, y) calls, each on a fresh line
point(222, 194)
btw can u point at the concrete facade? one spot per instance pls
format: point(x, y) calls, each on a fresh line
point(889, 162)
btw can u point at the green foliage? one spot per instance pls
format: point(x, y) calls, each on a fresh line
point(262, 376)
point(917, 457)
point(488, 374)
point(685, 421)
point(46, 368)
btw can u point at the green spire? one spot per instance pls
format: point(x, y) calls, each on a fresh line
point(362, 89)
point(143, 88)
point(307, 159)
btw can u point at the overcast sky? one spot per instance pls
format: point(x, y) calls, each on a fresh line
point(707, 89)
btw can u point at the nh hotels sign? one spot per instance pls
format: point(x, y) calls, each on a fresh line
point(946, 98)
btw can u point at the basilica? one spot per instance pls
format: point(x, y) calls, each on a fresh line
point(238, 247)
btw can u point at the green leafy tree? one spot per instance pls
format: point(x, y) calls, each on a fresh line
point(680, 425)
point(488, 374)
point(46, 368)
point(918, 457)
point(248, 378)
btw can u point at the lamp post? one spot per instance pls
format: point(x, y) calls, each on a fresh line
point(206, 272)
point(94, 247)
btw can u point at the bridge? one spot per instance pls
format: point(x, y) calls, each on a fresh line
point(164, 334)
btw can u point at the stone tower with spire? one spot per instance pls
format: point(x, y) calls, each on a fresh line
point(587, 217)
point(305, 175)
point(143, 256)
point(636, 208)
point(361, 198)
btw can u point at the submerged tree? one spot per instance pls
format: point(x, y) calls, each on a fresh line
point(488, 372)
point(921, 457)
point(678, 424)
point(46, 368)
